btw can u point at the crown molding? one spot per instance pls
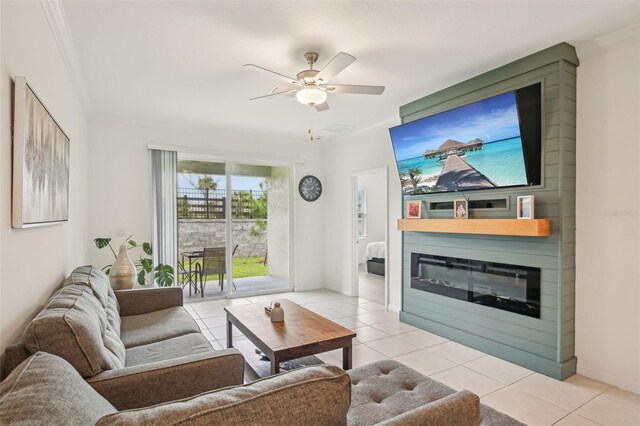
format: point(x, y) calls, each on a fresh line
point(609, 42)
point(57, 20)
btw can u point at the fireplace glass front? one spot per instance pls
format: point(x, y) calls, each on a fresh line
point(509, 287)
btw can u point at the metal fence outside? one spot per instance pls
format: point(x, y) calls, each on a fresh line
point(194, 203)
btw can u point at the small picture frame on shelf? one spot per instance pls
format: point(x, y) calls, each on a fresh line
point(524, 207)
point(460, 209)
point(414, 209)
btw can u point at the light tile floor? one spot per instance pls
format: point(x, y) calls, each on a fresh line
point(521, 393)
point(370, 286)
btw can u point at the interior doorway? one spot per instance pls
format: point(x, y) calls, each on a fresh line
point(369, 235)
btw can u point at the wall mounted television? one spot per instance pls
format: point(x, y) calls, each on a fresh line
point(491, 143)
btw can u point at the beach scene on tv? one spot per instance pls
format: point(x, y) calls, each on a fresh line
point(476, 146)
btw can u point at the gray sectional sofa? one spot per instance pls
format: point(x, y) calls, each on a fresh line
point(136, 348)
point(46, 390)
point(92, 356)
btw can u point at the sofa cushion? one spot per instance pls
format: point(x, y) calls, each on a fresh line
point(317, 395)
point(99, 284)
point(176, 347)
point(386, 389)
point(45, 389)
point(74, 326)
point(156, 326)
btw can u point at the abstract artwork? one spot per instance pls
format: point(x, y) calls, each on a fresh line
point(40, 163)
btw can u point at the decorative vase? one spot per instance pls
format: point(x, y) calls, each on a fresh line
point(123, 272)
point(277, 313)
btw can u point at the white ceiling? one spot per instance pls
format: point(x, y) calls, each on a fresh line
point(181, 62)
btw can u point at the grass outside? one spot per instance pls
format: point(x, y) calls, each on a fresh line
point(249, 267)
point(242, 267)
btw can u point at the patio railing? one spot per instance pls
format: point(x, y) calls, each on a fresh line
point(196, 203)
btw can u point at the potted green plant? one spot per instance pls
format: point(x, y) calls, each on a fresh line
point(162, 274)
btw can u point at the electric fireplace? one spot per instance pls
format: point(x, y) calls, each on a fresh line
point(511, 288)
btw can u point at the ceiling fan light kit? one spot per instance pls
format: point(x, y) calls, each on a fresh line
point(311, 95)
point(311, 86)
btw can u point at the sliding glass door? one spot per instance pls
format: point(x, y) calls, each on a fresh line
point(202, 228)
point(260, 228)
point(233, 228)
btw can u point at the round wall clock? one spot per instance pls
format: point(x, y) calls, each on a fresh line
point(310, 188)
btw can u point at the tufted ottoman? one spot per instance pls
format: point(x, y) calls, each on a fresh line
point(390, 393)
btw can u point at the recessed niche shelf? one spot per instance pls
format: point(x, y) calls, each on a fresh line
point(517, 227)
point(498, 203)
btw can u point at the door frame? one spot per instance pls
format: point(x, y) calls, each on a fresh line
point(229, 218)
point(228, 162)
point(353, 238)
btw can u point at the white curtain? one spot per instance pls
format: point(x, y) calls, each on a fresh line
point(165, 214)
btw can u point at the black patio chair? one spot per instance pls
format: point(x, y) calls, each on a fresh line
point(190, 277)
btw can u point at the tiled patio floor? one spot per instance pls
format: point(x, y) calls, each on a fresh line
point(248, 285)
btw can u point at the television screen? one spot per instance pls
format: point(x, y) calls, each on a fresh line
point(491, 143)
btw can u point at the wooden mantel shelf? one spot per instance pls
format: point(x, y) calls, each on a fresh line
point(518, 227)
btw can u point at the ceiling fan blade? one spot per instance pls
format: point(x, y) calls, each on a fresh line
point(322, 107)
point(353, 88)
point(333, 68)
point(272, 74)
point(286, 92)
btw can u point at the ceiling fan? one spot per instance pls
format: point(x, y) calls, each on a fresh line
point(311, 86)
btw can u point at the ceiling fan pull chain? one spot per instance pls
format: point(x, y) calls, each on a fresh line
point(310, 123)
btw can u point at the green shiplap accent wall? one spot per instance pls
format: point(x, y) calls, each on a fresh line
point(547, 344)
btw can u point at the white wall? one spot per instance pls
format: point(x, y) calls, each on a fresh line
point(351, 154)
point(373, 184)
point(608, 223)
point(120, 188)
point(35, 261)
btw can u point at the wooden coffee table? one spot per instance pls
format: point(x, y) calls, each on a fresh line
point(302, 333)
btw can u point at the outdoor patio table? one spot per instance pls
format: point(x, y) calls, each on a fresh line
point(191, 256)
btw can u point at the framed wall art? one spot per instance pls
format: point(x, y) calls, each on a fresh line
point(460, 209)
point(40, 162)
point(414, 209)
point(525, 207)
